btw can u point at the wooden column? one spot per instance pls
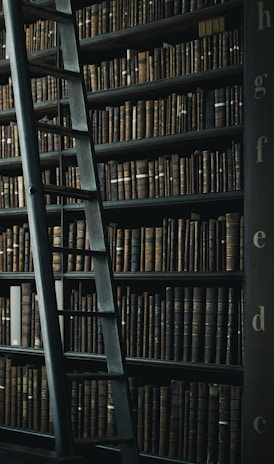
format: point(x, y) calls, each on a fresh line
point(258, 406)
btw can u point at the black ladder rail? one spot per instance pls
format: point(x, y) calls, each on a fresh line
point(81, 131)
point(38, 226)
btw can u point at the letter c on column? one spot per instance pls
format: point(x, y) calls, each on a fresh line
point(259, 424)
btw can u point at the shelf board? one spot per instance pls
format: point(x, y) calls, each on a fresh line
point(184, 277)
point(174, 369)
point(178, 84)
point(12, 213)
point(167, 143)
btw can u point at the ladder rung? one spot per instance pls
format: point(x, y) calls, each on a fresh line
point(42, 69)
point(101, 441)
point(78, 251)
point(94, 376)
point(44, 12)
point(71, 192)
point(61, 130)
point(68, 312)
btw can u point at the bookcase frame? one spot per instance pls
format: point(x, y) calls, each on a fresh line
point(256, 439)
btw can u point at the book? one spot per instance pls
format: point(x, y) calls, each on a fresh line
point(198, 320)
point(210, 324)
point(26, 313)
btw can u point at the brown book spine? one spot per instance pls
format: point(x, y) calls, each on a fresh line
point(26, 312)
point(232, 241)
point(8, 369)
point(165, 397)
point(149, 251)
point(142, 178)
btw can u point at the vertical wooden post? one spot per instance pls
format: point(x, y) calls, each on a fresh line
point(258, 406)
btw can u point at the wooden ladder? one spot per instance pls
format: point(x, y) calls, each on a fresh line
point(22, 68)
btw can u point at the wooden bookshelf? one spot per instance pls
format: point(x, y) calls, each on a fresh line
point(159, 333)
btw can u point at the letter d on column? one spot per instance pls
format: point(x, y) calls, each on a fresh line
point(258, 321)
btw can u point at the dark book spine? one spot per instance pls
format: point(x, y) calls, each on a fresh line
point(155, 420)
point(193, 414)
point(210, 324)
point(148, 418)
point(213, 423)
point(174, 435)
point(224, 429)
point(198, 319)
point(165, 395)
point(235, 424)
point(187, 332)
point(178, 323)
point(169, 327)
point(202, 422)
point(232, 326)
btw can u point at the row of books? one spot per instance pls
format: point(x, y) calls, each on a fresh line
point(43, 89)
point(190, 324)
point(16, 250)
point(201, 171)
point(199, 422)
point(47, 141)
point(168, 61)
point(183, 244)
point(113, 15)
point(196, 110)
point(41, 34)
point(12, 191)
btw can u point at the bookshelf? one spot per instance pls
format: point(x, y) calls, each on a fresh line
point(173, 144)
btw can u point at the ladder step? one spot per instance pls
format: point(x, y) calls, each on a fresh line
point(71, 192)
point(61, 130)
point(101, 441)
point(78, 251)
point(68, 312)
point(94, 376)
point(42, 69)
point(44, 12)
